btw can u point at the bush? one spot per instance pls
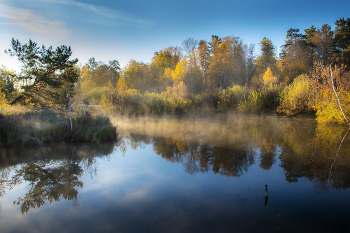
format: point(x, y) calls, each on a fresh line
point(258, 101)
point(231, 97)
point(47, 126)
point(295, 96)
point(253, 102)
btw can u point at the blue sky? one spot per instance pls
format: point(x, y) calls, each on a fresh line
point(135, 29)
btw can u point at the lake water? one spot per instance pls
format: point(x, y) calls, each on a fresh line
point(188, 174)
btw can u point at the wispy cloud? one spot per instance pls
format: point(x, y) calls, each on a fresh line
point(109, 16)
point(31, 21)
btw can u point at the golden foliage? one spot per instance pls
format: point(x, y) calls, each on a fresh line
point(231, 97)
point(104, 101)
point(3, 101)
point(323, 98)
point(179, 73)
point(177, 91)
point(269, 78)
point(121, 87)
point(295, 96)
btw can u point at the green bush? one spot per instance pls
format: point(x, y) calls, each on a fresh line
point(231, 97)
point(252, 103)
point(257, 101)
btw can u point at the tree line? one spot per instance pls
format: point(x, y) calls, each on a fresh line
point(223, 73)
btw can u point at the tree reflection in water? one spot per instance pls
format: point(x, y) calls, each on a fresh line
point(49, 182)
point(231, 145)
point(50, 179)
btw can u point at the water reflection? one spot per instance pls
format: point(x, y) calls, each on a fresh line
point(50, 173)
point(48, 182)
point(266, 195)
point(229, 146)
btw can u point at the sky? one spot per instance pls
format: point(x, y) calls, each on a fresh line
point(136, 29)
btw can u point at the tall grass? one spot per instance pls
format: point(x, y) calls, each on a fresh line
point(33, 127)
point(257, 101)
point(231, 97)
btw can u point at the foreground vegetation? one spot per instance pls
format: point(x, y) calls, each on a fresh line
point(23, 126)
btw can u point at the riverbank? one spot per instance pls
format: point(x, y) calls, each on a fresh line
point(26, 126)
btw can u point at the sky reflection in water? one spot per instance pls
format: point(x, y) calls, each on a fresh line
point(150, 182)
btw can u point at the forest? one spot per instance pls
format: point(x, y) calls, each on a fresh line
point(310, 76)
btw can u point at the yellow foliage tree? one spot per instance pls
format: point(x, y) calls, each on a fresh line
point(177, 91)
point(104, 101)
point(85, 73)
point(121, 91)
point(3, 101)
point(323, 97)
point(268, 77)
point(167, 79)
point(110, 91)
point(179, 73)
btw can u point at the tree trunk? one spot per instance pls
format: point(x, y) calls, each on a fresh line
point(70, 113)
point(337, 96)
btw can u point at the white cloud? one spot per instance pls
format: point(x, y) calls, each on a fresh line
point(31, 21)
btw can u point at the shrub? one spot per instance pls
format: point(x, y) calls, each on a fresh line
point(231, 97)
point(104, 133)
point(295, 96)
point(52, 126)
point(253, 102)
point(261, 100)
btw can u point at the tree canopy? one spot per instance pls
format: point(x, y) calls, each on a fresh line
point(44, 70)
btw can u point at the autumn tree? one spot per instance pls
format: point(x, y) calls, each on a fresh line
point(190, 47)
point(133, 75)
point(240, 63)
point(250, 63)
point(95, 78)
point(221, 70)
point(3, 93)
point(269, 78)
point(167, 58)
point(121, 92)
point(330, 96)
point(7, 83)
point(296, 56)
point(204, 60)
point(266, 58)
point(320, 42)
point(179, 73)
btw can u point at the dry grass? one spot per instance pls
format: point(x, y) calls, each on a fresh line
point(27, 126)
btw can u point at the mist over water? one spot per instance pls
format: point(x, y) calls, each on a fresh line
point(193, 173)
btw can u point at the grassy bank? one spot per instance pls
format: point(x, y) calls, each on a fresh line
point(21, 126)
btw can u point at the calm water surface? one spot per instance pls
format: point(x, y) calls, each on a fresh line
point(184, 175)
